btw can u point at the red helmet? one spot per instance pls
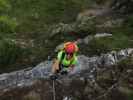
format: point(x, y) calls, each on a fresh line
point(70, 47)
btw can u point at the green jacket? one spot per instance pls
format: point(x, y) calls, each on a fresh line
point(66, 62)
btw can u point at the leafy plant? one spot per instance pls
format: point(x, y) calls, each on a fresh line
point(9, 53)
point(7, 25)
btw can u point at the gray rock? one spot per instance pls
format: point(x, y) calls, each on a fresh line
point(87, 65)
point(85, 40)
point(98, 35)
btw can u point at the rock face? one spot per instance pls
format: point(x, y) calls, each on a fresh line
point(86, 65)
point(122, 6)
point(86, 40)
point(83, 25)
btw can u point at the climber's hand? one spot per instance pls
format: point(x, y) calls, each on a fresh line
point(71, 68)
point(53, 76)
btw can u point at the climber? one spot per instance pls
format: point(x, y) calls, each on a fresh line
point(66, 59)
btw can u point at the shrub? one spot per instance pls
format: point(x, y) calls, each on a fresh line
point(4, 6)
point(9, 53)
point(7, 25)
point(103, 45)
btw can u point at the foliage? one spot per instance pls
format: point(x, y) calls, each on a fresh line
point(130, 96)
point(4, 6)
point(7, 25)
point(34, 15)
point(9, 54)
point(103, 45)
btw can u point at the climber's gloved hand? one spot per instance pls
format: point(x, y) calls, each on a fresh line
point(64, 71)
point(53, 76)
point(71, 68)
